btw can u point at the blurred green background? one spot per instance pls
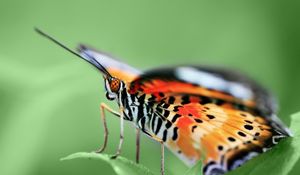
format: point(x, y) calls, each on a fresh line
point(49, 99)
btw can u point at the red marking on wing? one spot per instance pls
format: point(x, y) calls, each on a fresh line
point(161, 86)
point(184, 141)
point(184, 122)
point(194, 99)
point(193, 109)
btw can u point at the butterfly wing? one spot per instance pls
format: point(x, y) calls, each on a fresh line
point(115, 67)
point(210, 114)
point(223, 87)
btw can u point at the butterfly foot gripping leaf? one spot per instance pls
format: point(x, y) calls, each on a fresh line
point(199, 113)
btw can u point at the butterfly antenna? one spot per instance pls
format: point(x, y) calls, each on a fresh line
point(94, 62)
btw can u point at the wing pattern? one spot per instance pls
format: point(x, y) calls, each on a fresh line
point(210, 123)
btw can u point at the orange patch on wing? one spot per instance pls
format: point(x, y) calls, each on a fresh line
point(209, 147)
point(122, 75)
point(184, 142)
point(181, 87)
point(184, 122)
point(192, 108)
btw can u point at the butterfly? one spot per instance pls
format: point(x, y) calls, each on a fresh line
point(200, 113)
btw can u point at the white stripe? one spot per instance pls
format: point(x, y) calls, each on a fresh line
point(212, 81)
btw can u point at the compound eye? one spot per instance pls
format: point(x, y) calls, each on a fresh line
point(114, 85)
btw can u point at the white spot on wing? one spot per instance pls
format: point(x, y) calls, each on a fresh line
point(209, 80)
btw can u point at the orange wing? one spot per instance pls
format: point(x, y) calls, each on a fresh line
point(204, 121)
point(221, 136)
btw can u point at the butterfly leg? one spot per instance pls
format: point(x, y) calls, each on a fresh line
point(137, 142)
point(118, 152)
point(162, 166)
point(104, 107)
point(162, 150)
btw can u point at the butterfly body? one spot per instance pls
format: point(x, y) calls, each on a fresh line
point(200, 113)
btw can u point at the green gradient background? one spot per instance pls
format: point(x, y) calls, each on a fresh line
point(49, 99)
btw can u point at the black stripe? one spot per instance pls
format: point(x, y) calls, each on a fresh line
point(219, 102)
point(161, 103)
point(150, 103)
point(205, 100)
point(171, 100)
point(176, 116)
point(124, 100)
point(185, 99)
point(176, 108)
point(165, 135)
point(159, 123)
point(141, 100)
point(132, 96)
point(140, 112)
point(153, 123)
point(166, 113)
point(161, 94)
point(175, 134)
point(205, 168)
point(168, 124)
point(165, 105)
point(143, 121)
point(152, 98)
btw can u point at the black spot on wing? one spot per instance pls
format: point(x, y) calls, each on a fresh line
point(175, 134)
point(231, 139)
point(198, 120)
point(241, 134)
point(210, 116)
point(171, 100)
point(185, 99)
point(248, 127)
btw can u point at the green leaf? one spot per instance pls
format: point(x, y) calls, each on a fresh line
point(278, 161)
point(195, 170)
point(121, 165)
